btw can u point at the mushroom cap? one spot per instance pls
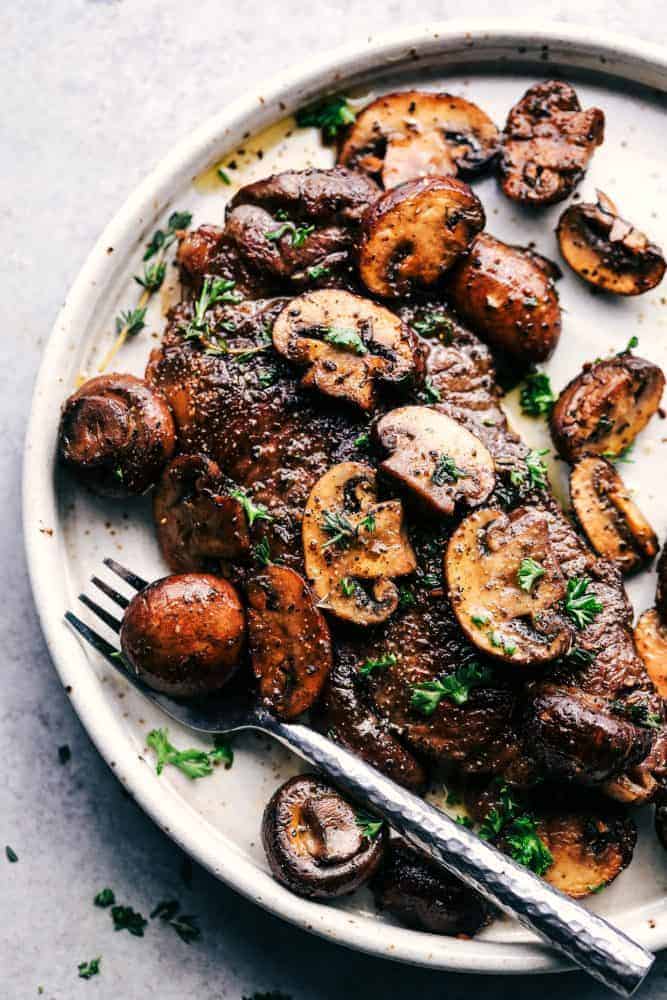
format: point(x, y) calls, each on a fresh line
point(651, 643)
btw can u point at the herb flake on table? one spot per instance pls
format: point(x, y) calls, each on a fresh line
point(11, 854)
point(185, 924)
point(105, 897)
point(89, 969)
point(126, 919)
point(64, 754)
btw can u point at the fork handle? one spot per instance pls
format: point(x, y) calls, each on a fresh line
point(595, 945)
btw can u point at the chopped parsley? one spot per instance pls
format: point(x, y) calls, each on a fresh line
point(632, 343)
point(184, 924)
point(426, 697)
point(348, 586)
point(638, 713)
point(536, 396)
point(126, 919)
point(193, 763)
point(330, 115)
point(597, 888)
point(262, 551)
point(362, 440)
point(498, 641)
point(368, 523)
point(537, 470)
point(11, 854)
point(581, 606)
point(621, 456)
point(446, 471)
point(317, 271)
point(434, 324)
point(223, 175)
point(370, 828)
point(464, 821)
point(528, 573)
point(381, 663)
point(406, 597)
point(519, 833)
point(349, 340)
point(253, 512)
point(430, 392)
point(104, 898)
point(339, 527)
point(480, 619)
point(89, 969)
point(298, 234)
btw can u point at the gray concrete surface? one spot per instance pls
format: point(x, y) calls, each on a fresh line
point(93, 92)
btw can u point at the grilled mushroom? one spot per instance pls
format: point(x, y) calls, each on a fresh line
point(424, 896)
point(197, 524)
point(350, 539)
point(116, 433)
point(661, 589)
point(413, 234)
point(508, 298)
point(403, 136)
point(607, 251)
point(505, 585)
point(289, 640)
point(601, 411)
point(436, 458)
point(651, 643)
point(547, 144)
point(612, 522)
point(347, 343)
point(661, 818)
point(184, 634)
point(316, 844)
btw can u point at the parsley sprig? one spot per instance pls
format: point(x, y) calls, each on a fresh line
point(348, 340)
point(519, 832)
point(330, 115)
point(379, 663)
point(581, 606)
point(536, 396)
point(426, 697)
point(130, 323)
point(528, 573)
point(193, 763)
point(446, 471)
point(434, 324)
point(370, 827)
point(536, 471)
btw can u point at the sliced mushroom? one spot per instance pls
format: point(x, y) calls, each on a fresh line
point(589, 848)
point(184, 634)
point(436, 457)
point(547, 144)
point(661, 818)
point(661, 589)
point(348, 344)
point(420, 894)
point(612, 522)
point(601, 411)
point(507, 608)
point(651, 643)
point(316, 844)
point(508, 298)
point(196, 523)
point(290, 645)
point(116, 433)
point(607, 251)
point(411, 134)
point(414, 233)
point(350, 539)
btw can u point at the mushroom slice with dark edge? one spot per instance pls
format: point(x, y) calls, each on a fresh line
point(651, 643)
point(547, 144)
point(612, 522)
point(290, 645)
point(348, 344)
point(116, 433)
point(350, 539)
point(601, 411)
point(661, 588)
point(410, 134)
point(436, 457)
point(414, 233)
point(316, 844)
point(507, 296)
point(607, 251)
point(197, 524)
point(185, 634)
point(505, 586)
point(420, 894)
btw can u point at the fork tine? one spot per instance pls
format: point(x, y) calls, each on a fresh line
point(125, 574)
point(110, 592)
point(100, 612)
point(108, 651)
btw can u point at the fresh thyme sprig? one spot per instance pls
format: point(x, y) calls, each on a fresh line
point(213, 292)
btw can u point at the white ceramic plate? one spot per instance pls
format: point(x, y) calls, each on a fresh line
point(68, 532)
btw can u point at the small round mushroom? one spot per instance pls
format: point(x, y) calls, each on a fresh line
point(116, 433)
point(184, 635)
point(354, 545)
point(651, 643)
point(436, 458)
point(196, 523)
point(608, 252)
point(547, 144)
point(424, 896)
point(601, 411)
point(316, 844)
point(403, 136)
point(612, 522)
point(348, 344)
point(413, 234)
point(508, 298)
point(505, 585)
point(290, 645)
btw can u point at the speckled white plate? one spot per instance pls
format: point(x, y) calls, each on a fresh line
point(68, 532)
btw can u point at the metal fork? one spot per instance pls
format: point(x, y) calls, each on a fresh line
point(591, 942)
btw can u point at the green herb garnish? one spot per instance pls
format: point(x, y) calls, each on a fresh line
point(426, 697)
point(370, 828)
point(213, 292)
point(446, 471)
point(223, 175)
point(639, 713)
point(184, 924)
point(581, 606)
point(317, 271)
point(104, 898)
point(362, 440)
point(529, 573)
point(193, 763)
point(537, 470)
point(330, 115)
point(464, 821)
point(162, 239)
point(430, 392)
point(434, 324)
point(348, 586)
point(253, 511)
point(481, 619)
point(298, 234)
point(536, 396)
point(406, 597)
point(126, 919)
point(262, 551)
point(89, 969)
point(526, 847)
point(381, 663)
point(349, 340)
point(339, 527)
point(367, 523)
point(11, 854)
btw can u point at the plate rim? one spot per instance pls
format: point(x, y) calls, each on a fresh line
point(638, 61)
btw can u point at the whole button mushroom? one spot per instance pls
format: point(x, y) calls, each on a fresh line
point(115, 435)
point(316, 844)
point(185, 634)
